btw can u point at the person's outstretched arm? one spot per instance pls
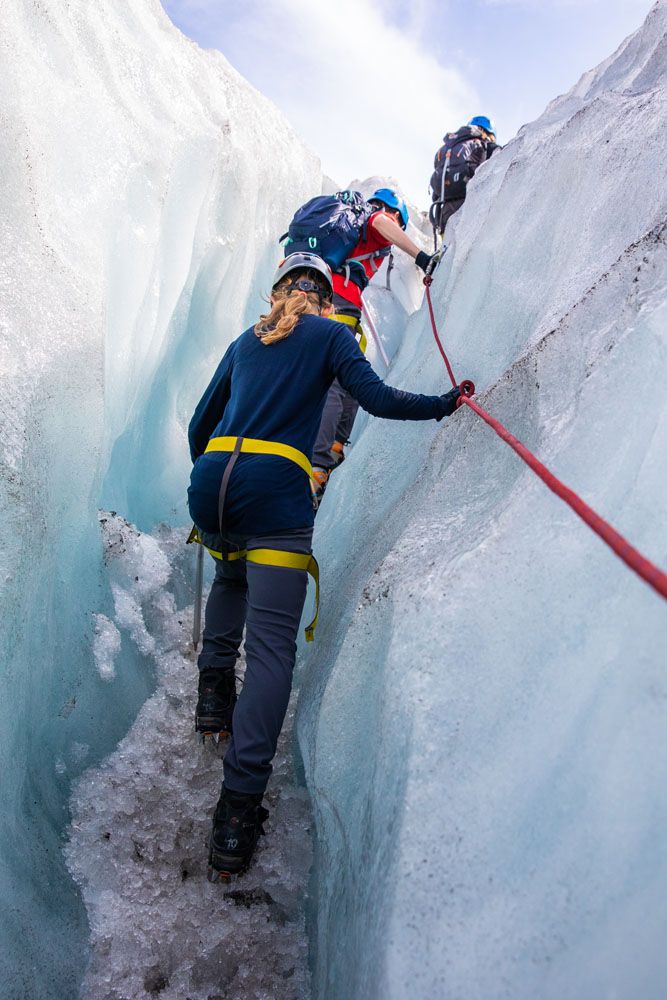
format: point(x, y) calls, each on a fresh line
point(211, 406)
point(356, 375)
point(392, 231)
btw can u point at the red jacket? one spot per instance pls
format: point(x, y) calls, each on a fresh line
point(373, 242)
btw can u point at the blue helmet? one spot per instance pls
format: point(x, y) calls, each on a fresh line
point(389, 198)
point(483, 122)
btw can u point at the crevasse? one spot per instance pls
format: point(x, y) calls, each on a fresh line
point(482, 718)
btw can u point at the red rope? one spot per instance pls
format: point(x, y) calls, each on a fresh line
point(427, 281)
point(632, 558)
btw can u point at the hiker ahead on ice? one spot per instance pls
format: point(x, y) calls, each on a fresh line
point(455, 163)
point(354, 236)
point(250, 498)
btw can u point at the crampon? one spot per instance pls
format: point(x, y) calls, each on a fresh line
point(215, 704)
point(237, 826)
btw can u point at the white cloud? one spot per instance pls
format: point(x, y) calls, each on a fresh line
point(365, 94)
point(548, 5)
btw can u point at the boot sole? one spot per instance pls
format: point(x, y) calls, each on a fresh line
point(228, 867)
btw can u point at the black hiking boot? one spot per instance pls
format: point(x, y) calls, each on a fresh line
point(215, 705)
point(237, 826)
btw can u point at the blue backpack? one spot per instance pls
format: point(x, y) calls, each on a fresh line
point(330, 226)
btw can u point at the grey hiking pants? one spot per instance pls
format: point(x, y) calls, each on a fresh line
point(340, 408)
point(268, 601)
point(337, 421)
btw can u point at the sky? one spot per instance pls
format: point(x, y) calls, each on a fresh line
point(372, 85)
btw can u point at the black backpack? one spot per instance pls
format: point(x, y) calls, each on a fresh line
point(455, 163)
point(329, 226)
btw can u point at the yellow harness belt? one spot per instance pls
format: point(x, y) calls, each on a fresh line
point(254, 446)
point(273, 557)
point(356, 326)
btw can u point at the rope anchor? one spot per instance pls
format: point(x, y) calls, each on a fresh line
point(467, 388)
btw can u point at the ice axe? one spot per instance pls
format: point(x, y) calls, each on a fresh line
point(199, 587)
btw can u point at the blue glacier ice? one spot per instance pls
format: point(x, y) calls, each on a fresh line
point(141, 181)
point(482, 719)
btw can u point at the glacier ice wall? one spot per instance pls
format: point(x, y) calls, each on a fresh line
point(483, 717)
point(140, 822)
point(140, 184)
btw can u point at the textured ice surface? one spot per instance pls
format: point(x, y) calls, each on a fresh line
point(141, 184)
point(138, 844)
point(106, 645)
point(483, 717)
point(484, 711)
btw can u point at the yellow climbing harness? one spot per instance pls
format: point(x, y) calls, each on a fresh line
point(273, 557)
point(254, 446)
point(356, 326)
point(268, 557)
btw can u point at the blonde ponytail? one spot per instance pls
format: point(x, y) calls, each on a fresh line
point(286, 309)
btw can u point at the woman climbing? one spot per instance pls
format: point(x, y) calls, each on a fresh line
point(251, 438)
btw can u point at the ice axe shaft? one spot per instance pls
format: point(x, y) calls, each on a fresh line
point(374, 334)
point(199, 586)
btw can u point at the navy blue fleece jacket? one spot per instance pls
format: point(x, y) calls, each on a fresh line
point(276, 392)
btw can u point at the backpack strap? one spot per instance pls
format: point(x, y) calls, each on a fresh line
point(371, 256)
point(345, 267)
point(448, 156)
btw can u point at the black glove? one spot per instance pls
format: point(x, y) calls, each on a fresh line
point(423, 260)
point(428, 264)
point(448, 401)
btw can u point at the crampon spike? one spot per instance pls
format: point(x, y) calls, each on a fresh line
point(214, 737)
point(213, 875)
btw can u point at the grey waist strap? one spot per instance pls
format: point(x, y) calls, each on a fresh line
point(224, 483)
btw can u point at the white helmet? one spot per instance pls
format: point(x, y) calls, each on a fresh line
point(304, 262)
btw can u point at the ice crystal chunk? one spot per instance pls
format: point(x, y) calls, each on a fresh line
point(105, 646)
